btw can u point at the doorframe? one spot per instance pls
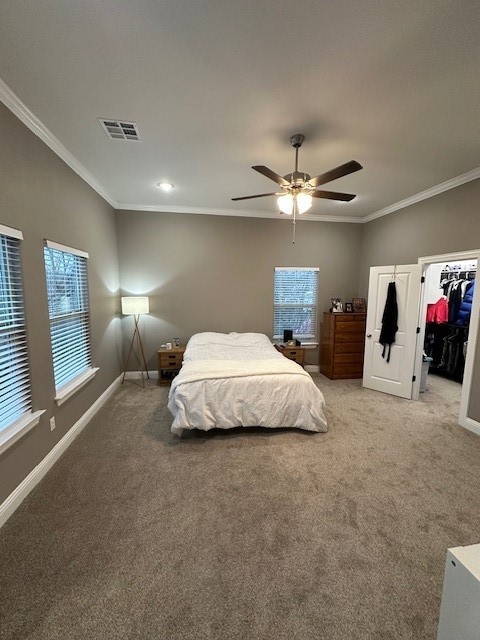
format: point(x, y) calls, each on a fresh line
point(426, 261)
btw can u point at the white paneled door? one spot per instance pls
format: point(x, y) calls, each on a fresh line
point(394, 377)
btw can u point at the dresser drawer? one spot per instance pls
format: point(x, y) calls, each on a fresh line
point(349, 327)
point(350, 347)
point(347, 371)
point(348, 358)
point(171, 359)
point(294, 353)
point(357, 337)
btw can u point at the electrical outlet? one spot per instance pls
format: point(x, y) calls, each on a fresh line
point(52, 423)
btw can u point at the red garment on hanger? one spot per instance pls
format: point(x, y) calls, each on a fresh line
point(438, 312)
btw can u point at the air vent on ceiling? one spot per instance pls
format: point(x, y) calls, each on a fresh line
point(120, 129)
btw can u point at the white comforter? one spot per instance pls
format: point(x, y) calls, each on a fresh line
point(240, 379)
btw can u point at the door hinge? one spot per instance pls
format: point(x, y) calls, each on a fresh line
point(414, 378)
point(422, 279)
point(418, 329)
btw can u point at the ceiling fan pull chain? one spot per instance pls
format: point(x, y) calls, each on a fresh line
point(294, 219)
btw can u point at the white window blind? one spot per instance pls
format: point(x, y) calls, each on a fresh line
point(68, 309)
point(295, 302)
point(14, 365)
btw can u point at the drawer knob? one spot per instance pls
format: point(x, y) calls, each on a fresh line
point(369, 335)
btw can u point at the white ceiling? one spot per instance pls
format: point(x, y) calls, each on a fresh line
point(216, 86)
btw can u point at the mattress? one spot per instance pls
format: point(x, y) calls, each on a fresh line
point(241, 380)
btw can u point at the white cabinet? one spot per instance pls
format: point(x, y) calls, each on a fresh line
point(460, 609)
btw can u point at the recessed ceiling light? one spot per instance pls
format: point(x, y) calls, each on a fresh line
point(165, 186)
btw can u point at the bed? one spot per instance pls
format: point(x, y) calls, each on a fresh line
point(241, 380)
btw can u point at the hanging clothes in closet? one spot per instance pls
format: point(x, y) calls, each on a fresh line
point(448, 319)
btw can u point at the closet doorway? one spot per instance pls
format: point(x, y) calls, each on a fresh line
point(448, 322)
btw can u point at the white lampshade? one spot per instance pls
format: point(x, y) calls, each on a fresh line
point(304, 202)
point(134, 305)
point(285, 202)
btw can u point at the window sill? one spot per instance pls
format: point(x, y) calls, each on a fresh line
point(304, 345)
point(18, 429)
point(67, 391)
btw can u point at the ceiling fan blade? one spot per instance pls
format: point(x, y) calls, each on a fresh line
point(333, 195)
point(268, 173)
point(260, 195)
point(334, 174)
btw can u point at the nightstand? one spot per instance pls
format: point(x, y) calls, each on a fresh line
point(169, 364)
point(297, 354)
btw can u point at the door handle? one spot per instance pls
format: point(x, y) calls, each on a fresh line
point(369, 335)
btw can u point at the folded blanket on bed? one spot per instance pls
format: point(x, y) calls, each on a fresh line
point(210, 369)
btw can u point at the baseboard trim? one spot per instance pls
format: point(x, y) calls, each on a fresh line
point(137, 375)
point(312, 368)
point(18, 495)
point(471, 425)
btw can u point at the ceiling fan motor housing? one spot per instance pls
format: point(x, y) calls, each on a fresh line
point(297, 140)
point(297, 178)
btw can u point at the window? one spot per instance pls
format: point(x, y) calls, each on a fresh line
point(295, 302)
point(68, 310)
point(14, 366)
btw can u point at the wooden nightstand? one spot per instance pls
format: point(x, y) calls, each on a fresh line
point(169, 364)
point(297, 354)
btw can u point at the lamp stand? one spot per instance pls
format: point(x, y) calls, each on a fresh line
point(137, 352)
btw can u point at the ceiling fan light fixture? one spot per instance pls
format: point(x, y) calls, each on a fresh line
point(298, 189)
point(304, 202)
point(285, 202)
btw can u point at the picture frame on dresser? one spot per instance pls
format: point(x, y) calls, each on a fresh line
point(337, 305)
point(348, 307)
point(359, 305)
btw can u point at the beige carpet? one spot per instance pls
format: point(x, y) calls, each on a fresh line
point(246, 535)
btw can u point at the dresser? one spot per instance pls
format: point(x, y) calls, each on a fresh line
point(342, 344)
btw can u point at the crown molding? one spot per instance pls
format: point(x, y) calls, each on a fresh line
point(232, 212)
point(30, 120)
point(425, 195)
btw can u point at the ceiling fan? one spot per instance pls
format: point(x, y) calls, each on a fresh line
point(299, 189)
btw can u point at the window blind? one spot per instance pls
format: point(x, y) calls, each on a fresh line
point(295, 302)
point(68, 310)
point(14, 366)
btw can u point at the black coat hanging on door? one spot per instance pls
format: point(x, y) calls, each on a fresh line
point(389, 321)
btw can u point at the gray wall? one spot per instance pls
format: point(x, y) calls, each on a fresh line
point(447, 223)
point(215, 273)
point(43, 198)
